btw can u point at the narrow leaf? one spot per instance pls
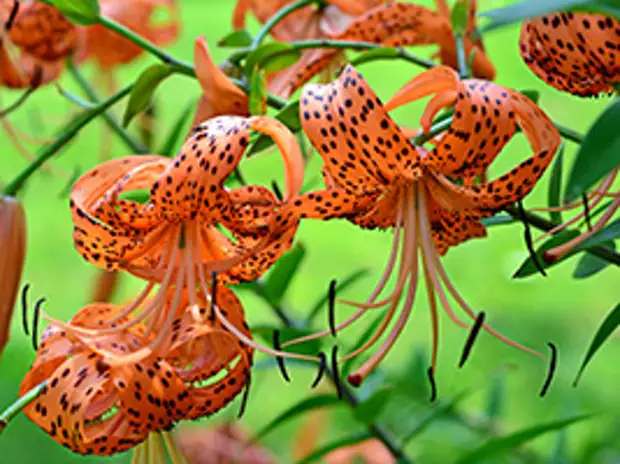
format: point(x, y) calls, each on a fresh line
point(374, 55)
point(139, 196)
point(304, 406)
point(458, 17)
point(143, 90)
point(283, 272)
point(271, 57)
point(498, 220)
point(610, 232)
point(289, 116)
point(238, 38)
point(177, 132)
point(82, 12)
point(528, 267)
point(555, 185)
point(598, 154)
point(337, 444)
point(608, 326)
point(590, 264)
point(498, 446)
point(439, 411)
point(533, 95)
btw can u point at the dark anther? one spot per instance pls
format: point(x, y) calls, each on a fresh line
point(331, 300)
point(280, 359)
point(35, 322)
point(586, 211)
point(276, 190)
point(102, 366)
point(527, 233)
point(213, 294)
point(431, 379)
point(24, 300)
point(552, 366)
point(244, 398)
point(336, 372)
point(12, 16)
point(471, 338)
point(321, 371)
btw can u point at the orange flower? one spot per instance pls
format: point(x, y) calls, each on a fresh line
point(377, 178)
point(109, 49)
point(191, 225)
point(197, 371)
point(12, 256)
point(31, 54)
point(222, 444)
point(573, 52)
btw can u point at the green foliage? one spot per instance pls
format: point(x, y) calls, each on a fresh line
point(176, 132)
point(608, 326)
point(283, 273)
point(590, 265)
point(555, 185)
point(143, 91)
point(459, 16)
point(82, 12)
point(238, 38)
point(271, 57)
point(258, 92)
point(334, 445)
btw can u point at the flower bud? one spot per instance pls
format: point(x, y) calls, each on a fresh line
point(12, 256)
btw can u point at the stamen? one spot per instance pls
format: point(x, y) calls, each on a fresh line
point(245, 397)
point(552, 366)
point(527, 234)
point(279, 359)
point(276, 190)
point(24, 301)
point(321, 372)
point(12, 16)
point(431, 378)
point(35, 323)
point(471, 338)
point(586, 210)
point(213, 293)
point(331, 298)
point(336, 373)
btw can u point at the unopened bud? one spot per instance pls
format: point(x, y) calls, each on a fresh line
point(106, 283)
point(12, 256)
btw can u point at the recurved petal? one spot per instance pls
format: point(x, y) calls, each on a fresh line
point(363, 149)
point(12, 257)
point(220, 96)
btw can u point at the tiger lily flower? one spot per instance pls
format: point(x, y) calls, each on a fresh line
point(304, 24)
point(175, 240)
point(12, 257)
point(197, 372)
point(377, 178)
point(29, 55)
point(573, 52)
point(592, 200)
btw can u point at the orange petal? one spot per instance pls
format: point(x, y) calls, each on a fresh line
point(432, 81)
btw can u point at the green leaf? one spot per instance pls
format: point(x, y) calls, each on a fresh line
point(258, 92)
point(498, 446)
point(369, 410)
point(370, 330)
point(532, 8)
point(598, 154)
point(528, 267)
point(608, 326)
point(337, 444)
point(139, 196)
point(304, 406)
point(458, 17)
point(496, 398)
point(498, 220)
point(590, 264)
point(271, 57)
point(82, 12)
point(438, 411)
point(610, 232)
point(555, 185)
point(238, 38)
point(143, 90)
point(533, 95)
point(289, 116)
point(341, 286)
point(176, 132)
point(282, 274)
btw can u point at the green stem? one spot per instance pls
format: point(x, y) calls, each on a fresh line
point(569, 134)
point(9, 413)
point(275, 19)
point(71, 131)
point(143, 43)
point(378, 430)
point(461, 59)
point(435, 130)
point(343, 44)
point(134, 144)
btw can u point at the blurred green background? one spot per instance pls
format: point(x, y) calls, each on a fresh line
point(501, 384)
